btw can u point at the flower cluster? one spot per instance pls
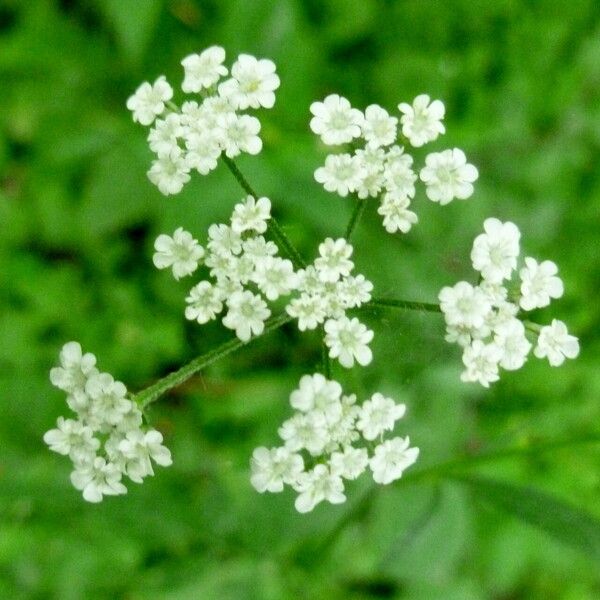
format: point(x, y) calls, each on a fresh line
point(331, 438)
point(248, 273)
point(106, 441)
point(484, 319)
point(381, 168)
point(193, 136)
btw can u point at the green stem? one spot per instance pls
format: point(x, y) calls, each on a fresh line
point(276, 229)
point(404, 304)
point(325, 360)
point(359, 209)
point(153, 392)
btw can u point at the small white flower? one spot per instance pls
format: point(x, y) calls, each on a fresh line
point(241, 134)
point(315, 392)
point(447, 175)
point(379, 129)
point(165, 135)
point(109, 403)
point(391, 459)
point(350, 463)
point(495, 252)
point(464, 305)
point(251, 215)
point(181, 253)
point(377, 415)
point(272, 468)
point(347, 340)
point(539, 283)
point(355, 291)
point(74, 439)
point(253, 83)
point(422, 122)
point(203, 151)
point(341, 174)
point(481, 361)
point(257, 248)
point(305, 431)
point(75, 368)
point(395, 213)
point(205, 302)
point(334, 260)
point(510, 338)
point(399, 176)
point(223, 240)
point(310, 311)
point(97, 479)
point(246, 315)
point(318, 485)
point(203, 70)
point(138, 448)
point(335, 120)
point(275, 277)
point(371, 163)
point(149, 100)
point(555, 343)
point(170, 173)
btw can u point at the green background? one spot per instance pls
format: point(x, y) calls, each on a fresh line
point(501, 503)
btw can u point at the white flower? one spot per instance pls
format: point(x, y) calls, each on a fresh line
point(334, 260)
point(76, 368)
point(318, 485)
point(253, 83)
point(203, 70)
point(97, 479)
point(149, 100)
point(251, 215)
point(495, 252)
point(447, 175)
point(241, 134)
point(224, 240)
point(464, 305)
point(170, 173)
point(379, 129)
point(275, 277)
point(347, 341)
point(315, 392)
point(308, 309)
point(510, 338)
point(377, 415)
point(138, 448)
point(399, 176)
point(350, 463)
point(246, 315)
point(341, 174)
point(481, 362)
point(181, 253)
point(422, 122)
point(205, 302)
point(272, 468)
point(109, 403)
point(391, 458)
point(74, 439)
point(203, 151)
point(396, 216)
point(257, 248)
point(355, 291)
point(371, 170)
point(165, 135)
point(305, 431)
point(539, 283)
point(335, 120)
point(555, 343)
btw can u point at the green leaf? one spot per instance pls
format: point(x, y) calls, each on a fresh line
point(565, 522)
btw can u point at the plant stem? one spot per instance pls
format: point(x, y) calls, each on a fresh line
point(359, 209)
point(153, 392)
point(276, 229)
point(404, 304)
point(325, 361)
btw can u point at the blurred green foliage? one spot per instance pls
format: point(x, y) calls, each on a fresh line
point(521, 82)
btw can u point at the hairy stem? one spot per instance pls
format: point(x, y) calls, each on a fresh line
point(404, 304)
point(153, 392)
point(325, 360)
point(276, 229)
point(359, 209)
